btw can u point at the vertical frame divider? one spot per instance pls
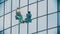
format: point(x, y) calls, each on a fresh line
point(58, 17)
point(4, 17)
point(47, 18)
point(37, 18)
point(19, 22)
point(27, 11)
point(11, 19)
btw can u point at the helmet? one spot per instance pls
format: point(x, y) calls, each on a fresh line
point(28, 11)
point(17, 10)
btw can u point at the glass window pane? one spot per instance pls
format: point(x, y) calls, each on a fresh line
point(7, 20)
point(33, 10)
point(52, 6)
point(52, 31)
point(23, 28)
point(15, 4)
point(42, 23)
point(1, 23)
point(15, 30)
point(23, 2)
point(1, 1)
point(42, 8)
point(32, 1)
point(44, 32)
point(7, 31)
point(14, 21)
point(7, 6)
point(32, 26)
point(1, 9)
point(23, 12)
point(52, 20)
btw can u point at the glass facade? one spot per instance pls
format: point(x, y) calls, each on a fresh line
point(45, 17)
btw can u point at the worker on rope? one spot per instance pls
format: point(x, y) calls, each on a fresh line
point(18, 15)
point(28, 17)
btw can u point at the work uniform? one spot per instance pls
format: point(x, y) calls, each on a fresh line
point(19, 16)
point(28, 17)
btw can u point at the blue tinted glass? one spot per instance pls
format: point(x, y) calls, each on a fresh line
point(23, 28)
point(1, 9)
point(23, 3)
point(33, 10)
point(7, 20)
point(30, 1)
point(15, 4)
point(42, 23)
point(32, 26)
point(52, 6)
point(7, 6)
point(15, 30)
point(52, 31)
point(14, 21)
point(52, 20)
point(44, 32)
point(1, 23)
point(7, 31)
point(42, 8)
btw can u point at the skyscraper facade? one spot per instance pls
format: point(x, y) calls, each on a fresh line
point(45, 17)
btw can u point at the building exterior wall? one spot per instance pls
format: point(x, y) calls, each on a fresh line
point(45, 17)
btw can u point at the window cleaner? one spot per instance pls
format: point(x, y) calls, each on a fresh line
point(18, 15)
point(28, 17)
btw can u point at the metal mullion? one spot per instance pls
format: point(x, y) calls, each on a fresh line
point(4, 18)
point(37, 18)
point(11, 19)
point(47, 18)
point(27, 11)
point(19, 22)
point(58, 17)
